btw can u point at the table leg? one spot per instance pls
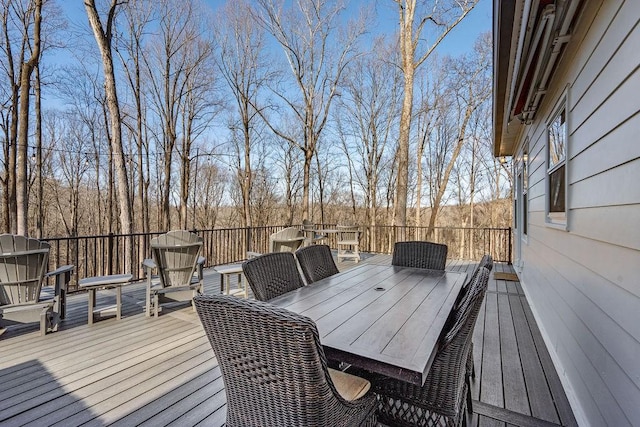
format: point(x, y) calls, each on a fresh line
point(92, 304)
point(118, 302)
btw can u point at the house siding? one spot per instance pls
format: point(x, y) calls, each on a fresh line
point(584, 282)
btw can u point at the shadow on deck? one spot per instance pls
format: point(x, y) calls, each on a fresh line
point(145, 371)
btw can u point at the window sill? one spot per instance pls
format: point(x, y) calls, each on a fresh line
point(556, 221)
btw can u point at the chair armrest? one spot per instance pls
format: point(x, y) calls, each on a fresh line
point(62, 276)
point(60, 270)
point(148, 263)
point(199, 263)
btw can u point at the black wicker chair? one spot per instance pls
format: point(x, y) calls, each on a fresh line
point(486, 262)
point(271, 275)
point(420, 254)
point(444, 399)
point(316, 262)
point(274, 369)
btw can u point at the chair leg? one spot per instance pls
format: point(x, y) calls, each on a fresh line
point(156, 303)
point(469, 411)
point(45, 321)
point(193, 303)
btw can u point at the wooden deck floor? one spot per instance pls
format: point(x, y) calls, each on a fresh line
point(145, 371)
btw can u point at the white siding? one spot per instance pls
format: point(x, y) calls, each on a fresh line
point(584, 283)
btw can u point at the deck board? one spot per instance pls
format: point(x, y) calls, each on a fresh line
point(146, 371)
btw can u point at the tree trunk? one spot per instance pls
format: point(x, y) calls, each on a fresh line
point(38, 165)
point(403, 151)
point(103, 39)
point(447, 173)
point(22, 203)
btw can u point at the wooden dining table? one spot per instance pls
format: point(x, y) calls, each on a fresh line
point(382, 318)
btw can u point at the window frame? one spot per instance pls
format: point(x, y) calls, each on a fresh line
point(521, 193)
point(557, 219)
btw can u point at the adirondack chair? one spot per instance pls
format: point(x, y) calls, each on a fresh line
point(286, 240)
point(176, 256)
point(23, 262)
point(348, 242)
point(311, 237)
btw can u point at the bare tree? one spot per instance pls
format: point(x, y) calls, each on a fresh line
point(175, 60)
point(317, 48)
point(20, 49)
point(198, 107)
point(28, 65)
point(431, 96)
point(129, 47)
point(73, 166)
point(211, 189)
point(103, 35)
point(441, 17)
point(367, 121)
point(470, 87)
point(241, 62)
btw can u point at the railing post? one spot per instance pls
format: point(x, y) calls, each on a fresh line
point(110, 254)
point(509, 255)
point(247, 240)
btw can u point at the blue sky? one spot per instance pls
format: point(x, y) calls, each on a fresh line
point(460, 40)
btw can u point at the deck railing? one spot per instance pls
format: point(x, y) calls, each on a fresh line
point(104, 254)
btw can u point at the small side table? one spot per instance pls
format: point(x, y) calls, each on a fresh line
point(225, 272)
point(92, 284)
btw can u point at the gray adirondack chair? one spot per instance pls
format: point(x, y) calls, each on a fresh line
point(286, 240)
point(176, 256)
point(348, 242)
point(23, 262)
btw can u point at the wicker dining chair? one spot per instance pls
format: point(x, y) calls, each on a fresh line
point(271, 275)
point(274, 368)
point(444, 399)
point(316, 262)
point(420, 254)
point(486, 262)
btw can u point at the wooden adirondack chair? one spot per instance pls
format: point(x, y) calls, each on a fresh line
point(176, 256)
point(23, 262)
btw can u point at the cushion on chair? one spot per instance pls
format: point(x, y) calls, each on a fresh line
point(349, 386)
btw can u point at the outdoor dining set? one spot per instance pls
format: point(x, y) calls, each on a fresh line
point(371, 345)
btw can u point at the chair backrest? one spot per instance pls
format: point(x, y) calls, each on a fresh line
point(23, 262)
point(348, 233)
point(271, 275)
point(286, 240)
point(444, 387)
point(307, 225)
point(316, 262)
point(420, 254)
point(467, 310)
point(273, 366)
point(176, 254)
point(486, 262)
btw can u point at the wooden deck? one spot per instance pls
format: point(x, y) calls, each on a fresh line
point(145, 371)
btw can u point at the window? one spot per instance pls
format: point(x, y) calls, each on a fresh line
point(556, 166)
